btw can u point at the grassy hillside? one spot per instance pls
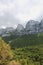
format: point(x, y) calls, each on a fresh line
point(31, 55)
point(25, 40)
point(6, 54)
point(27, 49)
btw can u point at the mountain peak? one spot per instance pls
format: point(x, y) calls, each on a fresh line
point(19, 27)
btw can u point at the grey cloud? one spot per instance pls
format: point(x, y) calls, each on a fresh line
point(40, 17)
point(18, 11)
point(6, 1)
point(8, 20)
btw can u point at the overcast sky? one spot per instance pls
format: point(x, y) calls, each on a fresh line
point(13, 12)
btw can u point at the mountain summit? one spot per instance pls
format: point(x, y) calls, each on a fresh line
point(19, 27)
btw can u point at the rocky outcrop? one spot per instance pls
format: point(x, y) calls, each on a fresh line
point(19, 27)
point(41, 26)
point(19, 30)
point(32, 27)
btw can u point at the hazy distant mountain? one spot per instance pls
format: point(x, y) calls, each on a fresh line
point(32, 27)
point(7, 31)
point(19, 27)
point(2, 31)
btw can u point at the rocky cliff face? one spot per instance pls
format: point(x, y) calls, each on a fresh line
point(41, 26)
point(32, 27)
point(19, 27)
